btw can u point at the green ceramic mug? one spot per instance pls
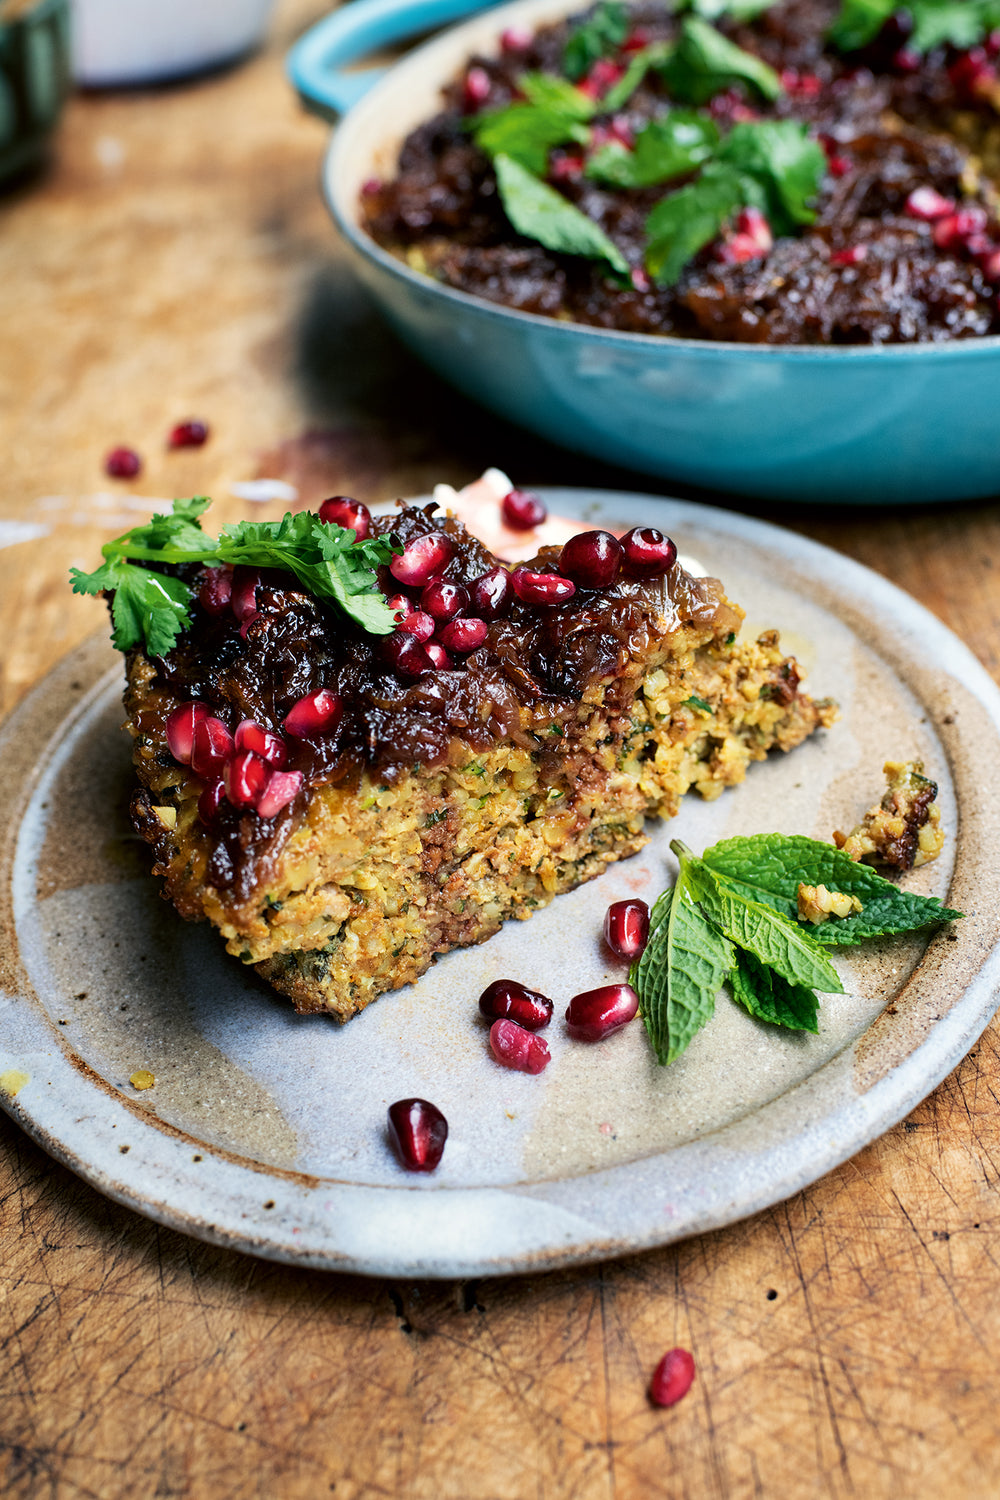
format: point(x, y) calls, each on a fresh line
point(34, 78)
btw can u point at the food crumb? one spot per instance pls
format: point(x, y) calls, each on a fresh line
point(904, 831)
point(605, 1128)
point(817, 904)
point(142, 1079)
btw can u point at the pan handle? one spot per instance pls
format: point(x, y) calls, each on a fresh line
point(316, 64)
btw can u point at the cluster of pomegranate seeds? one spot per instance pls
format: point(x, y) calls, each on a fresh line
point(247, 769)
point(626, 928)
point(122, 463)
point(751, 239)
point(351, 514)
point(418, 1131)
point(190, 434)
point(523, 511)
point(513, 1047)
point(959, 230)
point(672, 1378)
point(595, 1014)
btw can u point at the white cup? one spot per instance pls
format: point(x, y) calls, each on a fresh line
point(142, 41)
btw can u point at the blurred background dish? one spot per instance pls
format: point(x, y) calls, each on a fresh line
point(890, 424)
point(143, 41)
point(34, 78)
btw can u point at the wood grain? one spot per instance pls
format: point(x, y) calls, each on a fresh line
point(176, 260)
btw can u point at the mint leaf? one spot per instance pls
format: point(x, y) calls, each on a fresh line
point(680, 972)
point(599, 36)
point(859, 22)
point(959, 23)
point(767, 996)
point(554, 115)
point(549, 91)
point(669, 147)
point(540, 213)
point(770, 868)
point(704, 63)
point(789, 167)
point(684, 222)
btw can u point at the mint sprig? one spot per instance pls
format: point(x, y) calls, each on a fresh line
point(540, 213)
point(936, 23)
point(733, 916)
point(150, 608)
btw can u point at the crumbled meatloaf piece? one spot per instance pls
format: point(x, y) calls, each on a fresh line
point(904, 830)
point(444, 805)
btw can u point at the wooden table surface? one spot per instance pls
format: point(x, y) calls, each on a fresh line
point(176, 261)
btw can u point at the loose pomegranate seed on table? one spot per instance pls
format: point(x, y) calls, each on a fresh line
point(418, 1131)
point(513, 1047)
point(463, 635)
point(626, 928)
point(672, 1378)
point(443, 600)
point(593, 559)
point(595, 1014)
point(541, 588)
point(648, 553)
point(190, 434)
point(122, 463)
point(507, 999)
point(422, 559)
point(180, 730)
point(351, 514)
point(521, 510)
point(211, 747)
point(317, 713)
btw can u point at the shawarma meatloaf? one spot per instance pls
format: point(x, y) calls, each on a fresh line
point(442, 804)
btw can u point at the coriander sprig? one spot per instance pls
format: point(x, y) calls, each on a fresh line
point(150, 608)
point(732, 916)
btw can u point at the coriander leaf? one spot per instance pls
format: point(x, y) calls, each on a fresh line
point(770, 998)
point(540, 213)
point(665, 148)
point(704, 62)
point(147, 608)
point(777, 940)
point(599, 36)
point(680, 973)
point(859, 22)
point(789, 166)
point(685, 221)
point(770, 868)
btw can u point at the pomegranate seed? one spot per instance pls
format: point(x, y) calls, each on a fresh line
point(405, 654)
point(438, 656)
point(513, 1047)
point(952, 232)
point(463, 635)
point(418, 1131)
point(245, 777)
point(270, 747)
point(993, 44)
point(351, 514)
point(282, 788)
point(422, 559)
point(928, 204)
point(803, 85)
point(515, 39)
point(522, 511)
point(491, 595)
point(906, 60)
point(211, 747)
point(244, 594)
point(122, 463)
point(506, 999)
point(216, 590)
point(418, 624)
point(989, 263)
point(753, 238)
point(595, 1014)
point(648, 553)
point(638, 38)
point(564, 168)
point(211, 800)
point(602, 76)
point(973, 73)
point(371, 186)
point(672, 1378)
point(317, 713)
point(851, 255)
point(839, 166)
point(592, 559)
point(541, 588)
point(402, 606)
point(640, 279)
point(180, 730)
point(476, 89)
point(626, 928)
point(190, 434)
point(443, 600)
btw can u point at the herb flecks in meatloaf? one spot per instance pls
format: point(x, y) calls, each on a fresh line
point(442, 805)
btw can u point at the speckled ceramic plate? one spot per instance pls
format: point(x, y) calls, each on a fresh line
point(265, 1130)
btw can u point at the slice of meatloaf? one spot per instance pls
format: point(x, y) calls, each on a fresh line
point(438, 806)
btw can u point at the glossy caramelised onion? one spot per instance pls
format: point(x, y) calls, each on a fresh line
point(418, 1131)
point(341, 510)
point(626, 928)
point(595, 1014)
point(180, 730)
point(507, 999)
point(317, 713)
point(422, 559)
point(541, 588)
point(648, 553)
point(513, 1047)
point(592, 559)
